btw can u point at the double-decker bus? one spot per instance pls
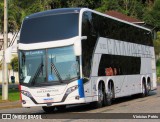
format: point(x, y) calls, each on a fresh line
point(77, 55)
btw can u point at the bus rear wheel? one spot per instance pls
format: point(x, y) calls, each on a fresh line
point(148, 88)
point(48, 109)
point(144, 90)
point(109, 95)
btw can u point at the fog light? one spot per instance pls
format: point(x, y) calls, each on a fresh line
point(23, 101)
point(77, 97)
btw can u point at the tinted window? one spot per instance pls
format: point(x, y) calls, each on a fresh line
point(49, 28)
point(120, 31)
point(119, 63)
point(89, 30)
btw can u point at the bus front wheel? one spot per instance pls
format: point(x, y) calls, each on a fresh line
point(99, 103)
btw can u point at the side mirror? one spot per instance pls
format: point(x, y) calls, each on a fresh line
point(78, 47)
point(83, 37)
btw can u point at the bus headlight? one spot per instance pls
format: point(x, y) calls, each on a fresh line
point(71, 89)
point(26, 93)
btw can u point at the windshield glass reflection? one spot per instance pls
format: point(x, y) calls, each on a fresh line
point(56, 65)
point(62, 64)
point(32, 68)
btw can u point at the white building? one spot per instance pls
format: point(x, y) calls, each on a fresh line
point(12, 38)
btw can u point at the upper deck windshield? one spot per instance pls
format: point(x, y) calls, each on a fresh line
point(48, 66)
point(49, 28)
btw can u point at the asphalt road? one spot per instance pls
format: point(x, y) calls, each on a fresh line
point(131, 104)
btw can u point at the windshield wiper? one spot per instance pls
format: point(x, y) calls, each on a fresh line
point(37, 73)
point(56, 72)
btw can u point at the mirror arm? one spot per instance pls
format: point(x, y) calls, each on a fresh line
point(83, 37)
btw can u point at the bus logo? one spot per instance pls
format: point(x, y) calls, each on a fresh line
point(48, 100)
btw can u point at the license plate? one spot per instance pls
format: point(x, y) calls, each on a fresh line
point(48, 100)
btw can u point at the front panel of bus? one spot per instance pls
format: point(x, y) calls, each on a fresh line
point(49, 70)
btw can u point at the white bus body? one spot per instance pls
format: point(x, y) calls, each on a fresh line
point(44, 65)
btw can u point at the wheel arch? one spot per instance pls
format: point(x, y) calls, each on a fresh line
point(148, 79)
point(143, 80)
point(149, 82)
point(100, 80)
point(103, 83)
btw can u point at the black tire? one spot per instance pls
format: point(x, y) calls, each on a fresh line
point(48, 109)
point(100, 102)
point(110, 94)
point(143, 94)
point(148, 88)
point(61, 108)
point(105, 100)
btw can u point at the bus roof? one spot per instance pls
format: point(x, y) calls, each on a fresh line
point(78, 10)
point(54, 11)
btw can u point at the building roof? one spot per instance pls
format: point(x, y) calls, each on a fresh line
point(123, 17)
point(129, 19)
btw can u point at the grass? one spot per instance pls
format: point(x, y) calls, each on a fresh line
point(158, 70)
point(158, 74)
point(13, 95)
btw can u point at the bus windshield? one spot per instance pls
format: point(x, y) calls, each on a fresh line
point(49, 28)
point(48, 66)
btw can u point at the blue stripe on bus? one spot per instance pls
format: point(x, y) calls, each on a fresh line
point(80, 88)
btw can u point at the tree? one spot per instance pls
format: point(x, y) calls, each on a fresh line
point(14, 63)
point(92, 4)
point(152, 14)
point(157, 45)
point(108, 5)
point(133, 8)
point(14, 16)
point(1, 15)
point(18, 9)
